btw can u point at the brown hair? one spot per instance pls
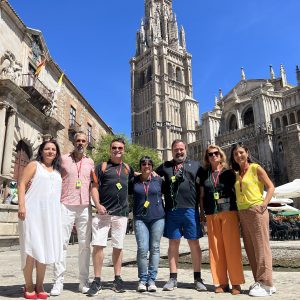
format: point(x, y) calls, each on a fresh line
point(224, 163)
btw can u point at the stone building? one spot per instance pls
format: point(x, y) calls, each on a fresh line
point(265, 115)
point(34, 107)
point(162, 103)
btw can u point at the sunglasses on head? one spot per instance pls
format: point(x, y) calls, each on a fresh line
point(215, 153)
point(117, 148)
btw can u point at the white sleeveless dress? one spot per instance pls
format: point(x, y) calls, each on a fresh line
point(41, 231)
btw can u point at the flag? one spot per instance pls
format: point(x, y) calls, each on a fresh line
point(40, 67)
point(59, 82)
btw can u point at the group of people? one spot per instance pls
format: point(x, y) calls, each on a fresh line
point(55, 191)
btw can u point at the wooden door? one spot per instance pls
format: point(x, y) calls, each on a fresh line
point(22, 159)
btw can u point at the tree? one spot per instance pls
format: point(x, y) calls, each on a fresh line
point(133, 152)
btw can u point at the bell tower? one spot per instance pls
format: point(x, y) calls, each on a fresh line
point(162, 104)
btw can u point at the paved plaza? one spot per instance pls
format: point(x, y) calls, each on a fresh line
point(287, 283)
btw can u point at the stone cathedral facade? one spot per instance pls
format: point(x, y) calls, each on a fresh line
point(162, 103)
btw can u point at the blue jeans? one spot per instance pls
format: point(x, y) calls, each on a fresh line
point(148, 236)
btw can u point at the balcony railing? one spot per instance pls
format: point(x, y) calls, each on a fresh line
point(41, 96)
point(73, 126)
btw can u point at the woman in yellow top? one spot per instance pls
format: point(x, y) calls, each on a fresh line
point(251, 179)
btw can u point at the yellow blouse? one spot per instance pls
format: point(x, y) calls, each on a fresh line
point(249, 189)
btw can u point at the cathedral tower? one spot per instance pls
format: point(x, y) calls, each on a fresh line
point(162, 104)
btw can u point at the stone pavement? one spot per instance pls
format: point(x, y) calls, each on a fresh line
point(11, 279)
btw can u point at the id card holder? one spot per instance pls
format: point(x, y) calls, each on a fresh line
point(146, 204)
point(221, 201)
point(78, 184)
point(119, 185)
point(173, 179)
point(216, 196)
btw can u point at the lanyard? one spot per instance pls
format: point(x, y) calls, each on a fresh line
point(177, 168)
point(214, 180)
point(119, 171)
point(146, 187)
point(78, 169)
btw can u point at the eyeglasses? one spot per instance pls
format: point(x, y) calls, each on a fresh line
point(117, 148)
point(211, 154)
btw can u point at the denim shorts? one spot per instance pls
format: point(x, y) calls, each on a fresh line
point(183, 222)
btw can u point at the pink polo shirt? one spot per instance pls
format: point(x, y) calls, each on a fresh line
point(71, 172)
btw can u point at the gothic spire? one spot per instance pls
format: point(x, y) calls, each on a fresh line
point(283, 76)
point(272, 74)
point(243, 74)
point(182, 38)
point(220, 94)
point(298, 74)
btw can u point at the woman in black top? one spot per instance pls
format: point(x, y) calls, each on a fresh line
point(149, 222)
point(217, 200)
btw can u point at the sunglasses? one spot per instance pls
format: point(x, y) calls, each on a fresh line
point(211, 154)
point(117, 148)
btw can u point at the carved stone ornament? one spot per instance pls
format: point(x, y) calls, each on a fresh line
point(10, 68)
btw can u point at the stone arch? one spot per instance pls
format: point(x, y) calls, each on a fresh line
point(277, 123)
point(285, 121)
point(23, 156)
point(232, 123)
point(248, 116)
point(292, 118)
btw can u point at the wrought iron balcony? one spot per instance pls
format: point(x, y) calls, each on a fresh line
point(41, 96)
point(73, 126)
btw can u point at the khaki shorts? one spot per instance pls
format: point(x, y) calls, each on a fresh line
point(101, 225)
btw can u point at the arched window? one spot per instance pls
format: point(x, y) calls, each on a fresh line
point(298, 116)
point(285, 121)
point(232, 123)
point(292, 118)
point(178, 74)
point(170, 71)
point(280, 147)
point(149, 74)
point(142, 79)
point(277, 123)
point(248, 118)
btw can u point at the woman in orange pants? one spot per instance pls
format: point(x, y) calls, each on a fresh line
point(218, 207)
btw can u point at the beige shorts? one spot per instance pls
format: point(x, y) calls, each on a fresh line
point(100, 228)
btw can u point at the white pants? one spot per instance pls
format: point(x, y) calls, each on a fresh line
point(82, 217)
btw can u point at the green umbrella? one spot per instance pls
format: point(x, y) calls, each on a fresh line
point(289, 213)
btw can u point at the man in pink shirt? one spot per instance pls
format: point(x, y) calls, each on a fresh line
point(76, 174)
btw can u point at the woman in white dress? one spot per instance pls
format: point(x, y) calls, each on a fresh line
point(39, 217)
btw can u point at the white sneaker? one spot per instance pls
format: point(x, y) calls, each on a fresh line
point(84, 287)
point(152, 287)
point(57, 288)
point(260, 290)
point(141, 287)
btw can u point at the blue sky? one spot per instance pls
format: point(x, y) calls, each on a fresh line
point(93, 41)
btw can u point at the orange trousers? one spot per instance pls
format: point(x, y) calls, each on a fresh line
point(225, 251)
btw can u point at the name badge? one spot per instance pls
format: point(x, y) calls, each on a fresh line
point(173, 179)
point(146, 204)
point(119, 185)
point(221, 201)
point(216, 196)
point(78, 184)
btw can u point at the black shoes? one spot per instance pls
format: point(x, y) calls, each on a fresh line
point(118, 286)
point(95, 289)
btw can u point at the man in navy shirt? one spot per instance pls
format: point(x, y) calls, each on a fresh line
point(182, 177)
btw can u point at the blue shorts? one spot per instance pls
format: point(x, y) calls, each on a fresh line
point(183, 222)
